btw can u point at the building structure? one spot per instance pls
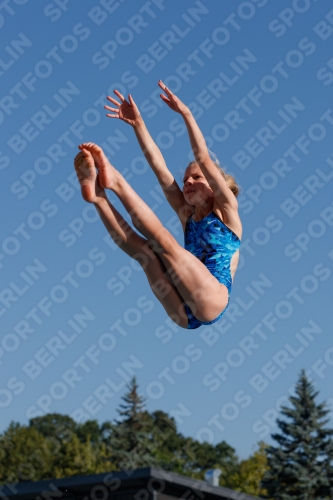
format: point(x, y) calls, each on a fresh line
point(148, 483)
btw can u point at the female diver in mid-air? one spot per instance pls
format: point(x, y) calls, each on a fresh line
point(193, 283)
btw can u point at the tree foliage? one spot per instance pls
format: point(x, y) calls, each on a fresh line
point(250, 473)
point(55, 446)
point(301, 466)
point(29, 453)
point(131, 440)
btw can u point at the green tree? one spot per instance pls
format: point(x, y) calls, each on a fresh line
point(198, 457)
point(250, 473)
point(185, 455)
point(63, 427)
point(46, 449)
point(54, 424)
point(25, 455)
point(300, 468)
point(131, 441)
point(227, 461)
point(55, 445)
point(78, 458)
point(168, 444)
point(90, 430)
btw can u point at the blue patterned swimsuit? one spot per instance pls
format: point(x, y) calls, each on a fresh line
point(214, 244)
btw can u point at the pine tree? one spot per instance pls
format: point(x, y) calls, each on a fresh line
point(301, 467)
point(132, 443)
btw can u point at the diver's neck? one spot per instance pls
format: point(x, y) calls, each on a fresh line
point(201, 211)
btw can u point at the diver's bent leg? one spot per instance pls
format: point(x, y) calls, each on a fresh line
point(138, 248)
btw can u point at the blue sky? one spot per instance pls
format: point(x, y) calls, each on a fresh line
point(77, 316)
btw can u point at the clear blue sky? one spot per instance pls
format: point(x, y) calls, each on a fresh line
point(77, 317)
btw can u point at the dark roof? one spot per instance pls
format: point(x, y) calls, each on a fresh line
point(148, 483)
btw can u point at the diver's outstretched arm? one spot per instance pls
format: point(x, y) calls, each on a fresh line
point(223, 195)
point(129, 113)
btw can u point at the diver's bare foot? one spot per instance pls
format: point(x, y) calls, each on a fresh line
point(106, 172)
point(86, 172)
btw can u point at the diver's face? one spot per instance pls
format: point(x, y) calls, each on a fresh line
point(196, 189)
